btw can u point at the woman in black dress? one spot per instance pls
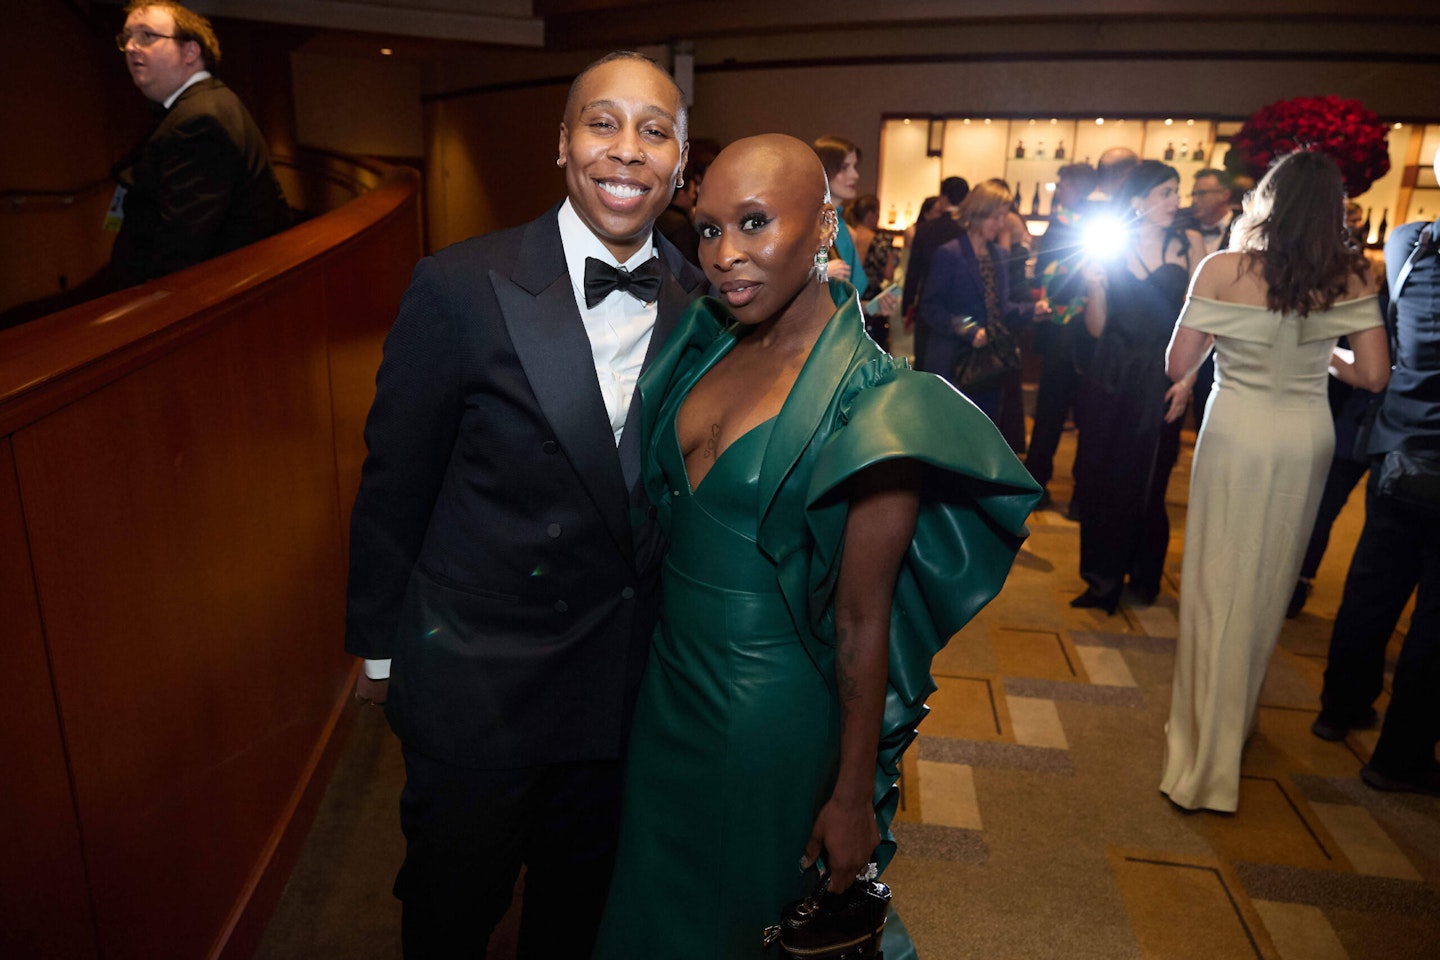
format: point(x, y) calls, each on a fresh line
point(1130, 431)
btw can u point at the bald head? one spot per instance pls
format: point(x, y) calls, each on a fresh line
point(763, 217)
point(774, 161)
point(1114, 166)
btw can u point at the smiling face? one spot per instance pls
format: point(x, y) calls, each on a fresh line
point(159, 69)
point(846, 182)
point(622, 151)
point(1160, 205)
point(761, 218)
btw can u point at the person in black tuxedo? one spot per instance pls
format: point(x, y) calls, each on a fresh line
point(1399, 549)
point(201, 183)
point(503, 556)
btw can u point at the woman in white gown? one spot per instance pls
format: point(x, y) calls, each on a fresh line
point(1273, 307)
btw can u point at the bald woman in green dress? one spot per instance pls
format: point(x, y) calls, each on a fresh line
point(834, 517)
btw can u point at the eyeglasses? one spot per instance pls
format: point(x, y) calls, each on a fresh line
point(142, 38)
point(1204, 193)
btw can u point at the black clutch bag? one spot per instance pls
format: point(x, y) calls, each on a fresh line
point(983, 369)
point(834, 926)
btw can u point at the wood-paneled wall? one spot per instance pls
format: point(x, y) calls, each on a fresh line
point(177, 465)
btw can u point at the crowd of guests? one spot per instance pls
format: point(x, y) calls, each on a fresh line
point(822, 517)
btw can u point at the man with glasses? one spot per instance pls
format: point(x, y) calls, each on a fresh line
point(200, 184)
point(1211, 215)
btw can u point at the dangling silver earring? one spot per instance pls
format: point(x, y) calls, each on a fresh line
point(822, 263)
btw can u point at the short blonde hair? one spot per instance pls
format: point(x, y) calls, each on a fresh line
point(983, 200)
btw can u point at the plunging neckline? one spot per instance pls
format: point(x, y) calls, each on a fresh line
point(685, 467)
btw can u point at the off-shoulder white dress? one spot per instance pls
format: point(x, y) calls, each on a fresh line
point(1260, 463)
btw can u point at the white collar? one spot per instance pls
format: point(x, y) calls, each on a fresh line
point(195, 78)
point(580, 242)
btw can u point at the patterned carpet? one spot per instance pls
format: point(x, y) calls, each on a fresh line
point(1032, 826)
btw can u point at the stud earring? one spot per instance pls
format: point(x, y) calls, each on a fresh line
point(822, 263)
point(559, 161)
point(679, 182)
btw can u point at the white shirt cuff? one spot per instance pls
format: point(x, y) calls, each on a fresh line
point(377, 669)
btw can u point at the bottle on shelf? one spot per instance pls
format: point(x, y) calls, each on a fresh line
point(1035, 201)
point(1365, 227)
point(1060, 149)
point(1170, 150)
point(890, 216)
point(1015, 198)
point(1199, 152)
point(1019, 149)
point(909, 213)
point(1184, 150)
point(1384, 225)
point(1040, 150)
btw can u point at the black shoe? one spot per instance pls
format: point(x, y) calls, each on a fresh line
point(1092, 600)
point(1297, 599)
point(1144, 596)
point(1327, 729)
point(1429, 784)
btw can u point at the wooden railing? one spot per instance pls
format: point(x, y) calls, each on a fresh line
point(177, 464)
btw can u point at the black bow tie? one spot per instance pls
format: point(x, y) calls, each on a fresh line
point(643, 283)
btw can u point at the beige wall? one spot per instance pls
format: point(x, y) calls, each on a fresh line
point(360, 106)
point(492, 155)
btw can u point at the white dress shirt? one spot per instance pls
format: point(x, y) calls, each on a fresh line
point(619, 328)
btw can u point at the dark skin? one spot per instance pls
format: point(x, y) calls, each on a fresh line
point(762, 215)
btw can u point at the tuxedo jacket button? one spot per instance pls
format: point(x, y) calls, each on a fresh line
point(550, 446)
point(561, 606)
point(628, 593)
point(553, 530)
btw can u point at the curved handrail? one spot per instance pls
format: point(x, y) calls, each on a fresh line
point(177, 462)
point(47, 361)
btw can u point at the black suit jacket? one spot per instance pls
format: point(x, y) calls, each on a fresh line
point(930, 236)
point(200, 185)
point(1409, 415)
point(502, 551)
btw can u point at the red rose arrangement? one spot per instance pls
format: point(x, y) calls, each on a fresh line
point(1351, 134)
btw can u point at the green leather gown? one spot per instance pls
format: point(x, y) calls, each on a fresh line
point(736, 737)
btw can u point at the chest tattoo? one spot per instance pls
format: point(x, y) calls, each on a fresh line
point(713, 442)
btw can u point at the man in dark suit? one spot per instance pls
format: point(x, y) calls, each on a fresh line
point(1064, 345)
point(1399, 549)
point(503, 557)
point(930, 235)
point(200, 184)
point(1211, 215)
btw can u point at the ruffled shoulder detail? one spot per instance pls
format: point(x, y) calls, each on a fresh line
point(975, 499)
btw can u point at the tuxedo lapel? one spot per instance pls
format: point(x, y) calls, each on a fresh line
point(538, 305)
point(678, 284)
